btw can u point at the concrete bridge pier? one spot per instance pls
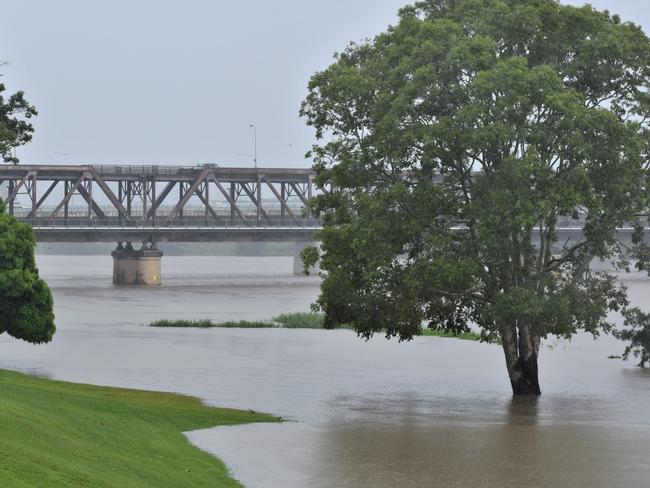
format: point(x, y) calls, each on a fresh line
point(298, 267)
point(141, 267)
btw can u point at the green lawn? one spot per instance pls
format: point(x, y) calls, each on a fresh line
point(56, 434)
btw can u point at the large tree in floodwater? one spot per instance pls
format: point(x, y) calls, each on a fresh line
point(454, 143)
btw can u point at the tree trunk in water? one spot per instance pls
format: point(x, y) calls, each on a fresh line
point(521, 359)
point(525, 380)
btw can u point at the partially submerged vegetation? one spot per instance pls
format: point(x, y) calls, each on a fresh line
point(637, 335)
point(301, 320)
point(209, 324)
point(466, 336)
point(70, 435)
point(288, 321)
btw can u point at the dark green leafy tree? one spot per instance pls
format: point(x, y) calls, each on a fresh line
point(637, 335)
point(25, 300)
point(15, 129)
point(454, 146)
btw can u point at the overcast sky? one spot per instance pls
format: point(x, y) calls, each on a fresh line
point(180, 81)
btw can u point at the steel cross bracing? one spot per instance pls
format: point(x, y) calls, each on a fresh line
point(99, 202)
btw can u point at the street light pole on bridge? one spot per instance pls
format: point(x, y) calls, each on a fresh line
point(254, 127)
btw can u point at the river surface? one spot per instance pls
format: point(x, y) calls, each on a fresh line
point(429, 413)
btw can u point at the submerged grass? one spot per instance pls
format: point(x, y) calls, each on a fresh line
point(303, 320)
point(307, 320)
point(465, 336)
point(209, 324)
point(71, 435)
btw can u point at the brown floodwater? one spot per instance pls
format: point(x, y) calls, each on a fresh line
point(429, 413)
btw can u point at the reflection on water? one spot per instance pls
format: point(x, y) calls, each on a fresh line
point(511, 454)
point(433, 412)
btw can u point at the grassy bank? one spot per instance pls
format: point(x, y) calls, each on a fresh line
point(58, 434)
point(289, 321)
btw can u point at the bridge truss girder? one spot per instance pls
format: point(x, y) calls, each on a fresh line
point(144, 196)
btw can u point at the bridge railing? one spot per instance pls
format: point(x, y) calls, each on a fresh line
point(141, 170)
point(178, 222)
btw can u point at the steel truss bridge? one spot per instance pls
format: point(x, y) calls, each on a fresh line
point(94, 203)
point(161, 203)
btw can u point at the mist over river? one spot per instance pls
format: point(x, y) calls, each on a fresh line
point(430, 413)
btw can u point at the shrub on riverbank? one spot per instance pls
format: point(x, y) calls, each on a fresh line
point(69, 435)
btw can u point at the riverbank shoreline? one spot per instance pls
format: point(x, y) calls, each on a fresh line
point(56, 433)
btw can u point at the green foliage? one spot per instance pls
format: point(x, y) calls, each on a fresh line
point(300, 320)
point(465, 336)
point(209, 324)
point(15, 130)
point(25, 300)
point(457, 143)
point(637, 335)
point(289, 320)
point(309, 256)
point(68, 435)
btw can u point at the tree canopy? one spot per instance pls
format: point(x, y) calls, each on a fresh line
point(25, 299)
point(15, 128)
point(452, 150)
